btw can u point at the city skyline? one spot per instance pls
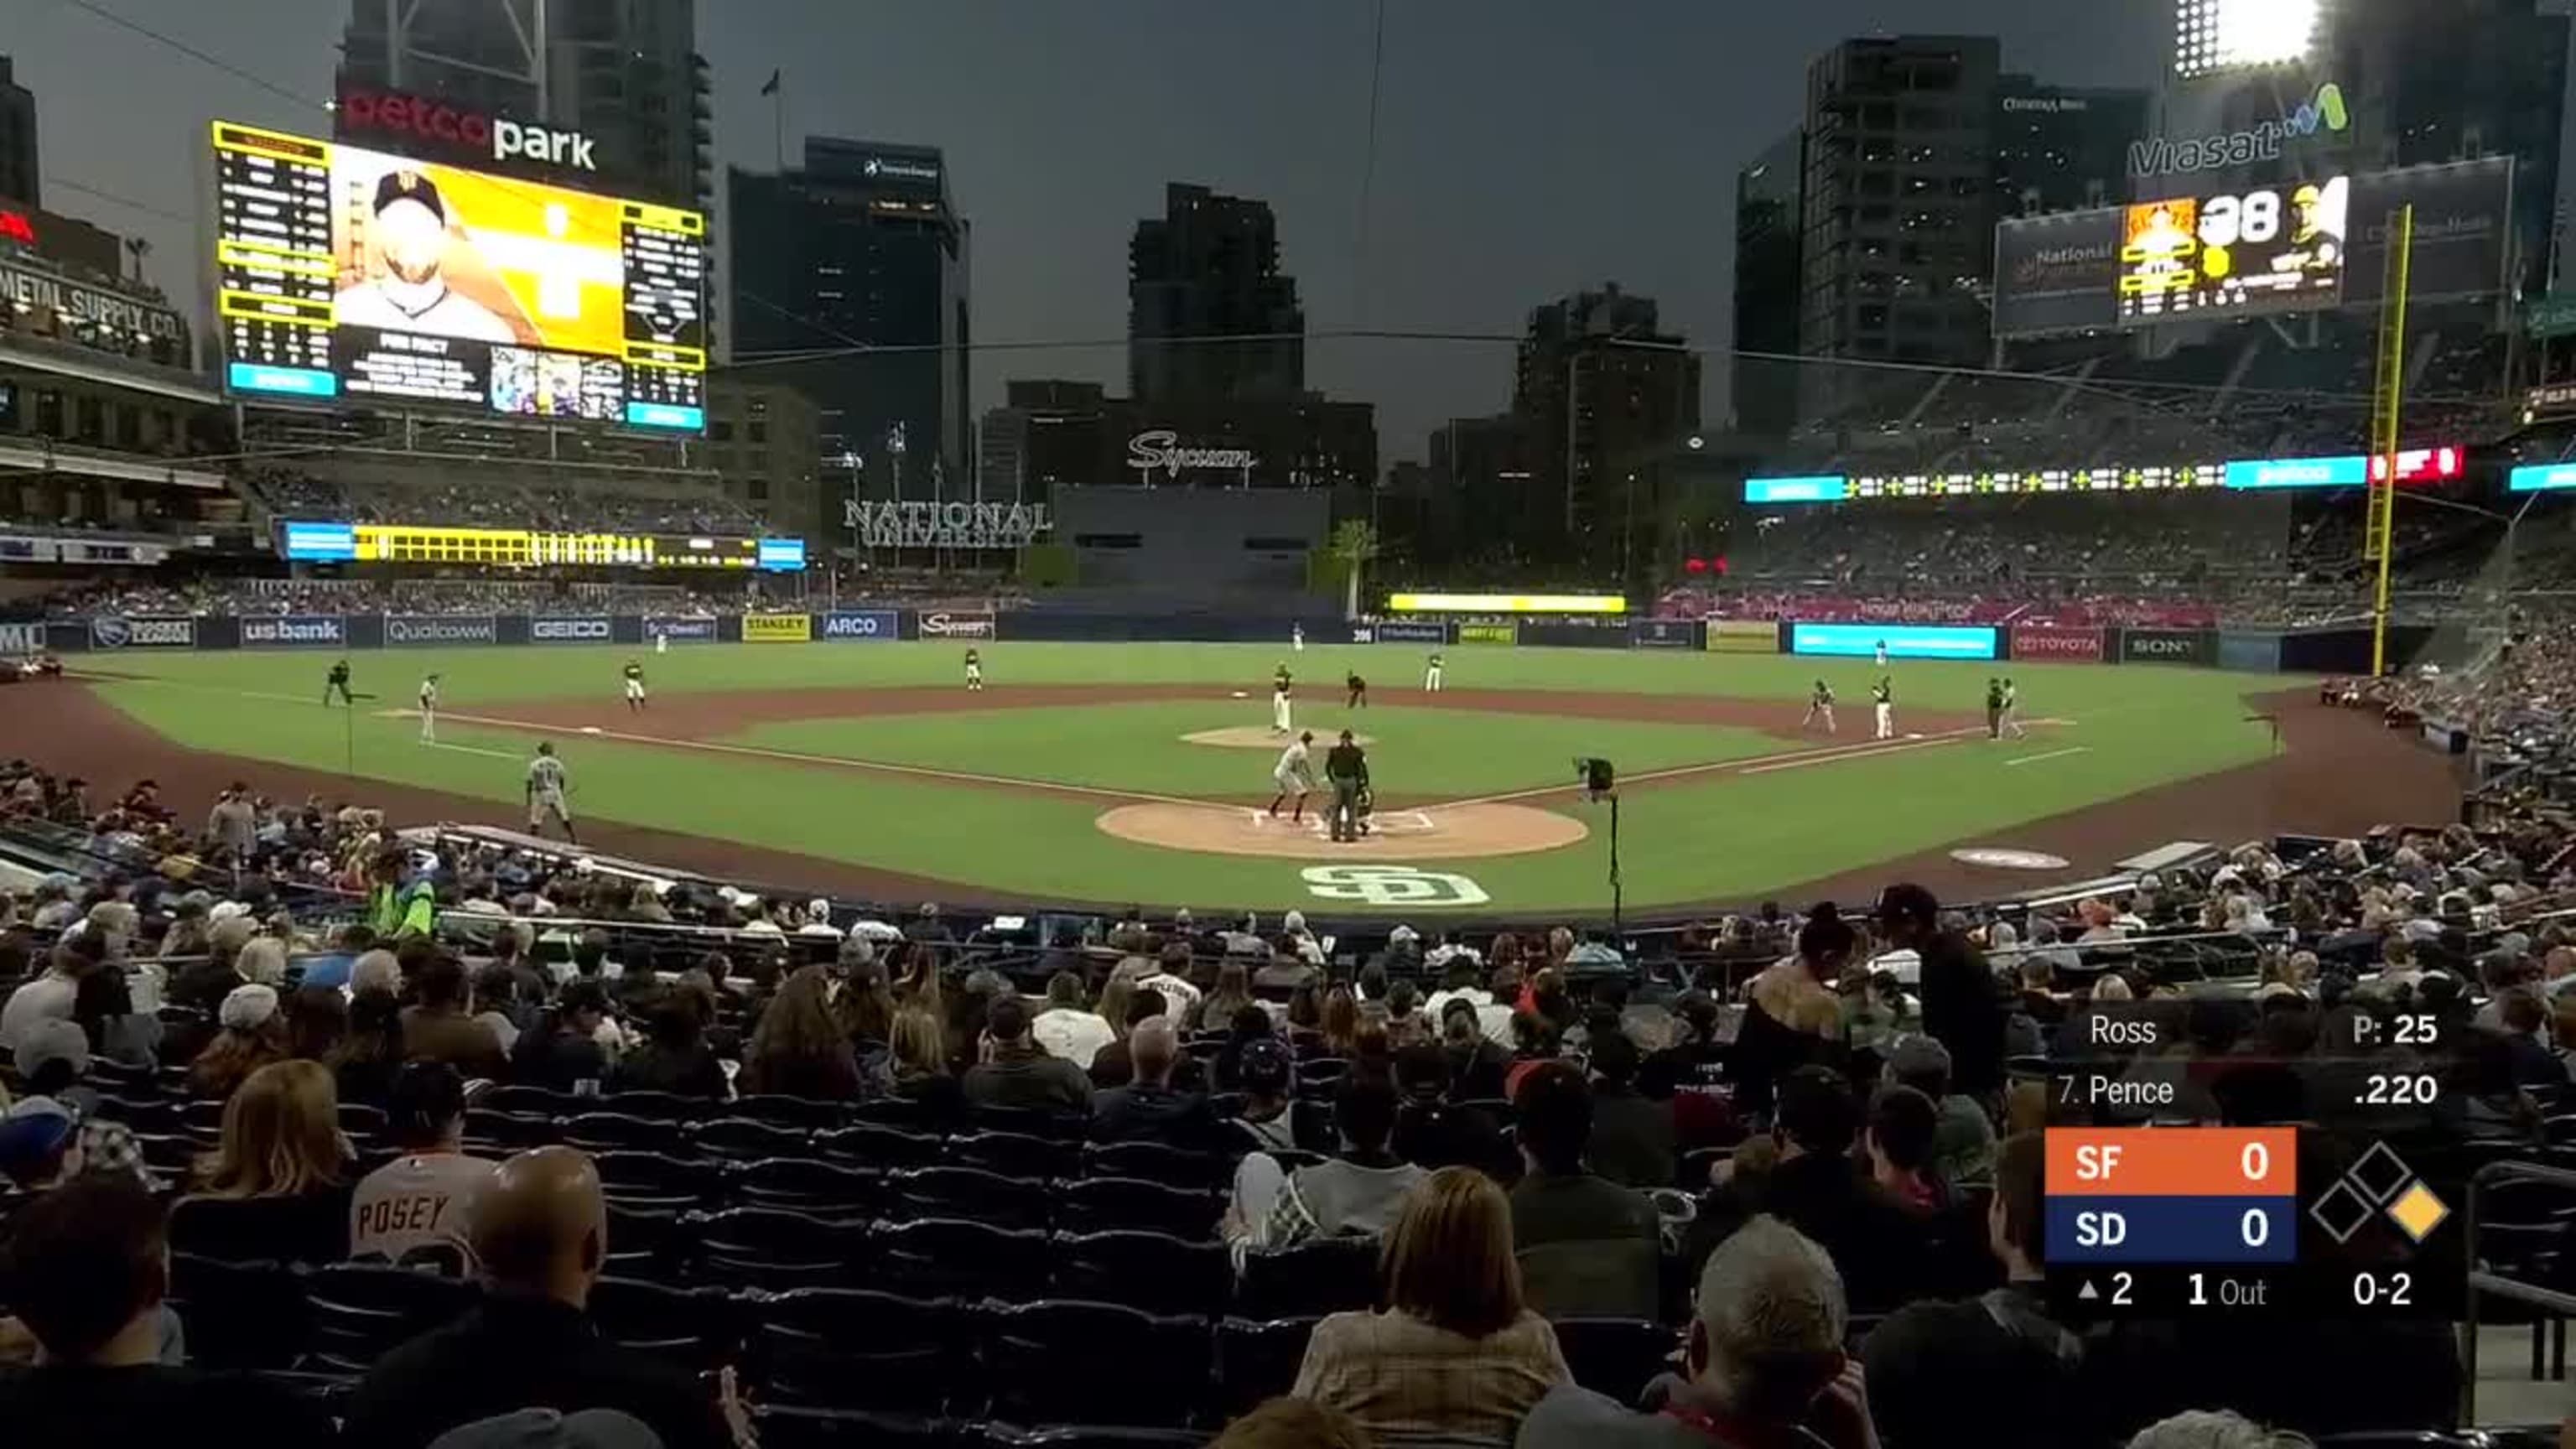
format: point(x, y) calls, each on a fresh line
point(1511, 168)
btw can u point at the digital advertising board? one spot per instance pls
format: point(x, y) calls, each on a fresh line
point(310, 542)
point(1507, 604)
point(2430, 464)
point(1903, 641)
point(2265, 248)
point(351, 275)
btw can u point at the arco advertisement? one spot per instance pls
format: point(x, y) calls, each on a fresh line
point(863, 626)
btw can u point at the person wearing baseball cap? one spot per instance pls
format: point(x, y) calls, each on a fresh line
point(1962, 1004)
point(410, 293)
point(53, 1061)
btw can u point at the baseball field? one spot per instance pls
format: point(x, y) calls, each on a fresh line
point(1116, 773)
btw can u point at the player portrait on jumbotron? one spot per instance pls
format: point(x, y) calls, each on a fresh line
point(410, 268)
point(2160, 238)
point(2316, 248)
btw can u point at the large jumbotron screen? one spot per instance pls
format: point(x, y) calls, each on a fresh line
point(351, 274)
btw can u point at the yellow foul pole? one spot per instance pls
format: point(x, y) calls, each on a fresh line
point(2379, 529)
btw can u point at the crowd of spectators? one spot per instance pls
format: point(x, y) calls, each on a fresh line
point(223, 595)
point(1797, 1151)
point(492, 499)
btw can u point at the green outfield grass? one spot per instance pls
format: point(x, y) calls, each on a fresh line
point(1728, 835)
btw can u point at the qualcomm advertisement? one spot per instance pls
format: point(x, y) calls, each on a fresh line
point(1903, 641)
point(415, 629)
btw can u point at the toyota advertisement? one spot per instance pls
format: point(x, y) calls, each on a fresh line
point(2050, 641)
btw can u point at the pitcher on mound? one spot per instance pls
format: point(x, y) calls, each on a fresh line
point(1279, 724)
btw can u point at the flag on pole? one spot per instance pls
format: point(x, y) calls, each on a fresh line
point(771, 89)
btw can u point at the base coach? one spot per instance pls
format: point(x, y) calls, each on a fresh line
point(1347, 768)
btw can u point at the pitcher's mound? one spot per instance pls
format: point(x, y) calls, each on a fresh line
point(1259, 737)
point(1440, 832)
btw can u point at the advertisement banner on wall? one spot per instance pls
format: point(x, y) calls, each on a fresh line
point(1743, 636)
point(411, 630)
point(2053, 641)
point(777, 628)
point(1902, 641)
point(572, 629)
point(680, 628)
point(2167, 646)
point(2057, 273)
point(866, 626)
point(1405, 631)
point(1539, 635)
point(1663, 634)
point(118, 631)
point(22, 639)
point(946, 625)
point(295, 631)
point(1489, 633)
point(2251, 652)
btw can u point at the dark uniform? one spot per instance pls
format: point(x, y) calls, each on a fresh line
point(1994, 709)
point(1820, 706)
point(1359, 692)
point(1883, 699)
point(337, 682)
point(974, 670)
point(634, 686)
point(1347, 768)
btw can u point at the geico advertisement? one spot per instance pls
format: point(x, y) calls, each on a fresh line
point(424, 248)
point(777, 628)
point(588, 629)
point(1901, 641)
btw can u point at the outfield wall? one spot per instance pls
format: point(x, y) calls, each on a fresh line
point(2313, 651)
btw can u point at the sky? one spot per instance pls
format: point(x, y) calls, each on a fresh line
point(1525, 148)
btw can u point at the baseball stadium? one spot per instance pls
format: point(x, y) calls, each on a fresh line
point(1963, 834)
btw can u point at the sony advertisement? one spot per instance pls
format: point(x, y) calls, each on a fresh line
point(2167, 646)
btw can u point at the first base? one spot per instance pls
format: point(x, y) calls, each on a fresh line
point(590, 729)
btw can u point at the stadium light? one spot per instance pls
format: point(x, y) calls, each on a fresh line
point(2217, 35)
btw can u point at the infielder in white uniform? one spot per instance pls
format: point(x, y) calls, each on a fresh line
point(634, 686)
point(1431, 676)
point(1295, 777)
point(547, 783)
point(1279, 724)
point(2012, 711)
point(429, 710)
point(1884, 701)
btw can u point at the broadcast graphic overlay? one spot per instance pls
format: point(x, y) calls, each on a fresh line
point(2349, 1212)
point(346, 273)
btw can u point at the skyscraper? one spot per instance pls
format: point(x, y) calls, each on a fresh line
point(1765, 388)
point(861, 248)
point(1209, 268)
point(1605, 394)
point(625, 73)
point(19, 178)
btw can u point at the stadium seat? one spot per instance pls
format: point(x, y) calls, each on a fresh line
point(1015, 1154)
point(782, 1111)
point(1096, 1204)
point(660, 1106)
point(783, 1427)
point(1153, 1271)
point(1029, 1121)
point(969, 1192)
point(493, 1131)
point(647, 1241)
point(240, 1315)
point(961, 1258)
point(1615, 1356)
point(739, 1139)
point(894, 1112)
point(202, 1121)
point(618, 1132)
point(1156, 1162)
point(1326, 1275)
point(695, 1327)
point(362, 1312)
point(1071, 1361)
point(1257, 1359)
point(658, 1179)
point(1081, 1436)
point(766, 1248)
point(867, 1144)
point(856, 1348)
point(801, 1184)
point(535, 1102)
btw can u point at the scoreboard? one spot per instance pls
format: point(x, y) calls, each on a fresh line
point(2274, 248)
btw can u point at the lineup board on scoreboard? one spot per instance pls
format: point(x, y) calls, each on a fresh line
point(2268, 248)
point(345, 273)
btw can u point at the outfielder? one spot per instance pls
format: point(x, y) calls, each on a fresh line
point(634, 687)
point(1297, 638)
point(1431, 676)
point(974, 672)
point(1279, 702)
point(337, 682)
point(1820, 706)
point(661, 641)
point(1882, 654)
point(1884, 702)
point(429, 710)
point(547, 783)
point(1295, 777)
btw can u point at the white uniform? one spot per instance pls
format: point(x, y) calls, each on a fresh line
point(1886, 720)
point(1279, 711)
point(429, 711)
point(546, 784)
point(1882, 654)
point(2012, 711)
point(661, 641)
point(974, 674)
point(1297, 638)
point(1295, 773)
point(635, 688)
point(1431, 676)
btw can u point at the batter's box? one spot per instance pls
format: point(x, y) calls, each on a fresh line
point(1319, 824)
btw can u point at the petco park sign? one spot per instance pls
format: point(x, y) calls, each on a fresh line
point(945, 525)
point(1159, 449)
point(416, 119)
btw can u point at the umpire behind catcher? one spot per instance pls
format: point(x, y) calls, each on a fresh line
point(1347, 768)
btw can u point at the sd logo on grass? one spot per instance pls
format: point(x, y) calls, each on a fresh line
point(1392, 885)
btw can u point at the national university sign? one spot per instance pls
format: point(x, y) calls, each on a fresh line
point(945, 525)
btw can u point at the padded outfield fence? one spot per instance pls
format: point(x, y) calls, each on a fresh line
point(2335, 650)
